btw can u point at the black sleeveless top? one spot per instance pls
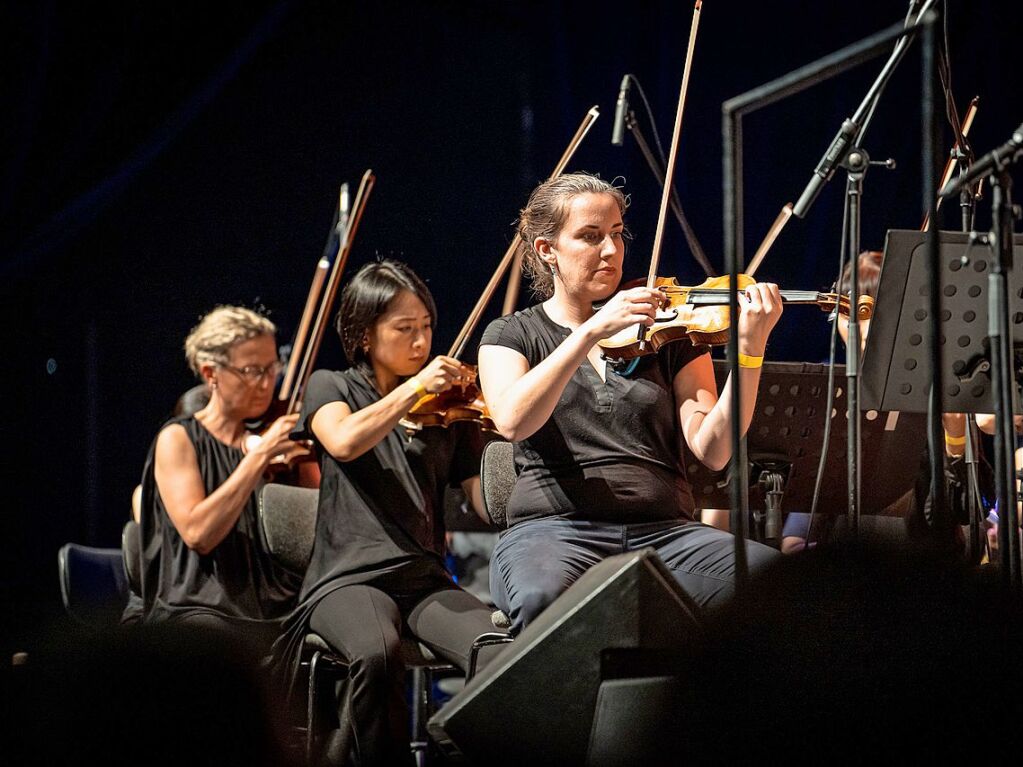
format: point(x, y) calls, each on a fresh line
point(238, 579)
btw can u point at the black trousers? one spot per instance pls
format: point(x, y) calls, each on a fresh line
point(536, 561)
point(364, 624)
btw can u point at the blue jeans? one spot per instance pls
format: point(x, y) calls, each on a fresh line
point(535, 561)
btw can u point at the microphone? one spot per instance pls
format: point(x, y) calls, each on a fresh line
point(618, 131)
point(993, 160)
point(826, 167)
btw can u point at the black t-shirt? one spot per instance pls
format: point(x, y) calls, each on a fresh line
point(238, 579)
point(611, 450)
point(384, 509)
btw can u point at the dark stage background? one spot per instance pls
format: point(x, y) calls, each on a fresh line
point(159, 159)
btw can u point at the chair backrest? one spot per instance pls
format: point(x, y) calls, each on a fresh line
point(93, 584)
point(131, 546)
point(288, 518)
point(497, 477)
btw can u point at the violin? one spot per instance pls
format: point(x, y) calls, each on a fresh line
point(464, 401)
point(299, 466)
point(700, 313)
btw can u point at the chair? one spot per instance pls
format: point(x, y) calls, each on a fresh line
point(497, 477)
point(131, 546)
point(288, 520)
point(93, 585)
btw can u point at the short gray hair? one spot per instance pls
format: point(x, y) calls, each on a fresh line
point(210, 341)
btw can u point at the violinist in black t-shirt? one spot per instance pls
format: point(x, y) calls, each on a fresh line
point(376, 571)
point(598, 454)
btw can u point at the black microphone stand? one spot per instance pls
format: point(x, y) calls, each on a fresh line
point(1003, 372)
point(657, 168)
point(845, 152)
point(733, 112)
point(967, 205)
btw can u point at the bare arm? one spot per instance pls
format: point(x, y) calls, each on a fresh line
point(201, 520)
point(520, 398)
point(346, 435)
point(706, 419)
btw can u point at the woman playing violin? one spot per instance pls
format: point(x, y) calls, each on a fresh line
point(203, 563)
point(599, 454)
point(377, 565)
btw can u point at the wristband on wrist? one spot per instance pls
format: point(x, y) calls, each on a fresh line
point(419, 386)
point(748, 361)
point(954, 441)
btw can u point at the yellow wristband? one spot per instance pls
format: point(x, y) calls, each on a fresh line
point(420, 387)
point(748, 361)
point(954, 441)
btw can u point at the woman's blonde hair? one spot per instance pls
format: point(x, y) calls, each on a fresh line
point(211, 340)
point(545, 214)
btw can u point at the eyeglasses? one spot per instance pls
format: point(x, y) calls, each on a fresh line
point(253, 374)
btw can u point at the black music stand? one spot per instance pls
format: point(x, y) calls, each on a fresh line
point(896, 371)
point(784, 448)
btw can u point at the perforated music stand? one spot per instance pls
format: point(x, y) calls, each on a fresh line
point(786, 433)
point(896, 375)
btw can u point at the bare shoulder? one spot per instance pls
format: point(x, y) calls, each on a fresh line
point(173, 447)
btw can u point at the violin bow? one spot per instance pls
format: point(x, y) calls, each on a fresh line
point(669, 170)
point(337, 228)
point(510, 255)
point(971, 112)
point(772, 235)
point(330, 293)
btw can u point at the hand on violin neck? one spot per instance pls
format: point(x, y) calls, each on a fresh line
point(442, 373)
point(627, 308)
point(760, 307)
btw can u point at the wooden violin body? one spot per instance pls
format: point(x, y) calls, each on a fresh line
point(700, 313)
point(462, 402)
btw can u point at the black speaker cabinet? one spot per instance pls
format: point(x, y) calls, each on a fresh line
point(588, 682)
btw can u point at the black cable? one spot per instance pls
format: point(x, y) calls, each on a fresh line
point(826, 440)
point(650, 118)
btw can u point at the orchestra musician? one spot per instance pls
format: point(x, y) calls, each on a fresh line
point(203, 563)
point(598, 453)
point(377, 566)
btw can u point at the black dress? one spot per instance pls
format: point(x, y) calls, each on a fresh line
point(238, 582)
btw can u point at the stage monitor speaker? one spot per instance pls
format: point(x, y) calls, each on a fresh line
point(589, 681)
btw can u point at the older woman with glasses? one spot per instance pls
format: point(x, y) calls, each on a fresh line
point(203, 562)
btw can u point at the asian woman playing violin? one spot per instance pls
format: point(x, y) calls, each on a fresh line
point(599, 454)
point(377, 565)
point(203, 563)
